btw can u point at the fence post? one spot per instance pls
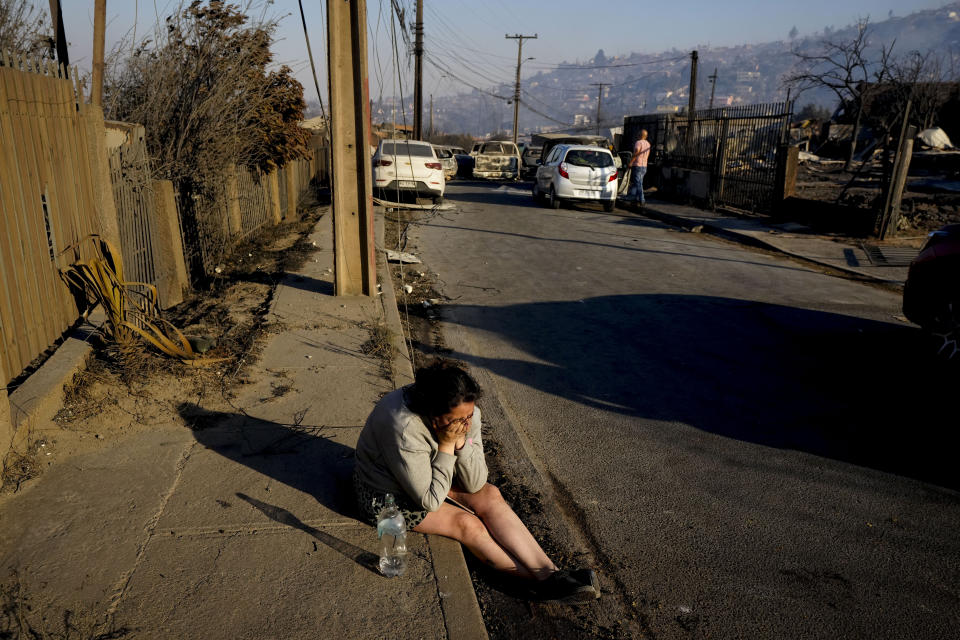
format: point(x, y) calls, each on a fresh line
point(103, 186)
point(273, 197)
point(6, 420)
point(901, 166)
point(293, 197)
point(169, 245)
point(233, 202)
point(788, 159)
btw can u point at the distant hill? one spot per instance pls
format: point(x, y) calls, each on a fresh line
point(645, 83)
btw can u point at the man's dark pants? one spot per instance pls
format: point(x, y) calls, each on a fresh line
point(635, 192)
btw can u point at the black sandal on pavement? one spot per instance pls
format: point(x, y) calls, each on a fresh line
point(562, 588)
point(587, 576)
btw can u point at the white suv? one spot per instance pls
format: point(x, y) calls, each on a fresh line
point(407, 168)
point(577, 172)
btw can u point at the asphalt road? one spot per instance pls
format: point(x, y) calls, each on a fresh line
point(755, 449)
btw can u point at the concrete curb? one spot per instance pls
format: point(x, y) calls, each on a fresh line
point(40, 396)
point(458, 600)
point(749, 240)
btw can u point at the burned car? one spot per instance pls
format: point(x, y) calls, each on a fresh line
point(497, 159)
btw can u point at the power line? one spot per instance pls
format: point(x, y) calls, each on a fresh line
point(313, 67)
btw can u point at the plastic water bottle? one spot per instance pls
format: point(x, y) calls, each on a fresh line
point(392, 531)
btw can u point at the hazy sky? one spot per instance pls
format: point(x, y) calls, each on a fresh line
point(467, 36)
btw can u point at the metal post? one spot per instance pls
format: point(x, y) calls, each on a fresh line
point(713, 86)
point(692, 105)
point(351, 187)
point(99, 28)
point(418, 74)
point(516, 88)
point(60, 37)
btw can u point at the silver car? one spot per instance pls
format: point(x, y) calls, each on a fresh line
point(448, 160)
point(577, 173)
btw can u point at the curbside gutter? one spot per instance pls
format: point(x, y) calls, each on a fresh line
point(753, 241)
point(458, 600)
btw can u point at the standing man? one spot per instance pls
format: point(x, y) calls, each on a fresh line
point(638, 168)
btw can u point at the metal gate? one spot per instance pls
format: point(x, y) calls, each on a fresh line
point(136, 214)
point(738, 146)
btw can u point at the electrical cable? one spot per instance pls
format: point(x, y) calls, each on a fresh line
point(313, 67)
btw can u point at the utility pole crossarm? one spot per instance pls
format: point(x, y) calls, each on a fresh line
point(516, 89)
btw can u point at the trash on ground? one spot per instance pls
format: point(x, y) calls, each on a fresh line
point(407, 288)
point(696, 229)
point(401, 257)
point(935, 138)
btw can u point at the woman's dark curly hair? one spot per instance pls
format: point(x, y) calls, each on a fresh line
point(441, 386)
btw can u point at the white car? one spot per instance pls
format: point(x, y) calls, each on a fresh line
point(577, 172)
point(405, 169)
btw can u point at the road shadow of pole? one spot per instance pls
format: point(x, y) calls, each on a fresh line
point(278, 514)
point(837, 386)
point(296, 455)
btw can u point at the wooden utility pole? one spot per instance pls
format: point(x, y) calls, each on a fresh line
point(713, 86)
point(516, 87)
point(60, 34)
point(99, 29)
point(692, 105)
point(351, 187)
point(601, 85)
point(431, 116)
point(418, 74)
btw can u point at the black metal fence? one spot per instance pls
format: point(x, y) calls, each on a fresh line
point(736, 146)
point(662, 135)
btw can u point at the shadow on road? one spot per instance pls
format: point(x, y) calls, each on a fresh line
point(837, 386)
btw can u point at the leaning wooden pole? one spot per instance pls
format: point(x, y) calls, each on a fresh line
point(351, 185)
point(99, 30)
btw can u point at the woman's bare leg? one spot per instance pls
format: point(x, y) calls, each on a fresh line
point(454, 522)
point(507, 529)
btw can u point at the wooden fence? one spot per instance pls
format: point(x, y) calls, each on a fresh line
point(48, 202)
point(239, 204)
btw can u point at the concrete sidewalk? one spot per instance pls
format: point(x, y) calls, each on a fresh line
point(244, 526)
point(839, 253)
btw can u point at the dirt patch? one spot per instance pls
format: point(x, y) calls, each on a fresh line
point(22, 616)
point(505, 603)
point(122, 392)
point(920, 212)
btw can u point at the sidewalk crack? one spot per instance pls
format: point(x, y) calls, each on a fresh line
point(120, 588)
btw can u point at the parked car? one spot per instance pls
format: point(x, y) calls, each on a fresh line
point(931, 295)
point(497, 159)
point(531, 160)
point(577, 173)
point(546, 141)
point(407, 169)
point(476, 148)
point(447, 160)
